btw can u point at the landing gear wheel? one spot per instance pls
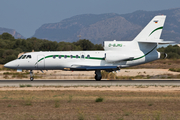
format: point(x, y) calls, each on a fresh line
point(98, 75)
point(31, 78)
point(31, 75)
point(98, 78)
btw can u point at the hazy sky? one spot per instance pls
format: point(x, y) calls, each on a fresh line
point(25, 16)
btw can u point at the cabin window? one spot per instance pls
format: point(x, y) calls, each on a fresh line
point(54, 56)
point(77, 56)
point(24, 57)
point(20, 57)
point(59, 56)
point(82, 56)
point(71, 56)
point(65, 56)
point(28, 57)
point(88, 56)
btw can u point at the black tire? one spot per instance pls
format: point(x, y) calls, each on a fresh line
point(97, 78)
point(31, 78)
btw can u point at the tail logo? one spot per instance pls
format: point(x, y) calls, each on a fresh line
point(156, 21)
point(159, 28)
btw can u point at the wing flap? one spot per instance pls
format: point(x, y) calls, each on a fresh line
point(84, 67)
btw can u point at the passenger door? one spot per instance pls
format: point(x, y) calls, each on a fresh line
point(41, 62)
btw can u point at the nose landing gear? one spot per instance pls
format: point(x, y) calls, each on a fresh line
point(98, 75)
point(31, 75)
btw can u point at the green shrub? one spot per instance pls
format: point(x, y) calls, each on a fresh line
point(70, 98)
point(28, 85)
point(28, 102)
point(25, 85)
point(57, 103)
point(99, 99)
point(174, 69)
point(22, 85)
point(9, 105)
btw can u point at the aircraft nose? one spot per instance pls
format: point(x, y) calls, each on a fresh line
point(11, 65)
point(6, 65)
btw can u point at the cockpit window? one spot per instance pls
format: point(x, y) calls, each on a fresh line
point(24, 57)
point(20, 57)
point(28, 57)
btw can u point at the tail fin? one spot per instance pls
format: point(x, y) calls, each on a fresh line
point(153, 30)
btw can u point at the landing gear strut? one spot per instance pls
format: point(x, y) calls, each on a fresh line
point(31, 75)
point(98, 75)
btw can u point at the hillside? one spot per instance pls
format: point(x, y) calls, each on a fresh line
point(12, 32)
point(98, 28)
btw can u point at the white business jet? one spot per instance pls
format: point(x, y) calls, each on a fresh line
point(116, 54)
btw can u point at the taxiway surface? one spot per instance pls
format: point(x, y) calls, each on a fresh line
point(17, 83)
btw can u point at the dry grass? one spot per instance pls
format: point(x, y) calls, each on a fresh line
point(108, 75)
point(116, 105)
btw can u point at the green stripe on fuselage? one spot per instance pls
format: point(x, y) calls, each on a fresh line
point(145, 54)
point(93, 58)
point(68, 56)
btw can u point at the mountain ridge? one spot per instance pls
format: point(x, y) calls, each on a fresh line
point(109, 26)
point(13, 32)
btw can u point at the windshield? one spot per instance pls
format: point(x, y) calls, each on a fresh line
point(20, 57)
point(28, 57)
point(24, 57)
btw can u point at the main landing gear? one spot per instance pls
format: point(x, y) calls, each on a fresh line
point(98, 75)
point(31, 75)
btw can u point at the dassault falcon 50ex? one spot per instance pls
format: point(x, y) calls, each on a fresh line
point(116, 54)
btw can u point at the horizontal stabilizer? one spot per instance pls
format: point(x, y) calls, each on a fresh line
point(166, 42)
point(159, 41)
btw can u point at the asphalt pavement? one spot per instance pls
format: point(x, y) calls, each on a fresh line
point(17, 83)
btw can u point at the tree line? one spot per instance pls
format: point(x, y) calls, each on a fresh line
point(11, 47)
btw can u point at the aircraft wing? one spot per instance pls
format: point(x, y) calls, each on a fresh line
point(84, 67)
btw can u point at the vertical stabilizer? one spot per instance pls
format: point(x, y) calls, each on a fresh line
point(153, 29)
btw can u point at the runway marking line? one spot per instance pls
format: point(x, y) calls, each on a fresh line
point(112, 88)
